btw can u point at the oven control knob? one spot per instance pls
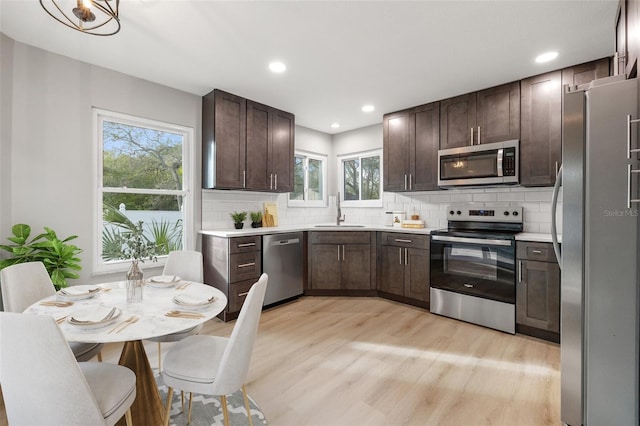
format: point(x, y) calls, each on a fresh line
point(451, 212)
point(458, 212)
point(506, 213)
point(515, 213)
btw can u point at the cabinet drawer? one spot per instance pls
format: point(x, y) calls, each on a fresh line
point(340, 237)
point(405, 240)
point(245, 266)
point(237, 294)
point(245, 244)
point(535, 251)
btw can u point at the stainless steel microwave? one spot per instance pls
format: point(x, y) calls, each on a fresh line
point(488, 164)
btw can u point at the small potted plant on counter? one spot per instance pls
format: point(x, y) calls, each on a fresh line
point(238, 219)
point(256, 219)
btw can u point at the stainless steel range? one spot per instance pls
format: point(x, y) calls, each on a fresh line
point(473, 265)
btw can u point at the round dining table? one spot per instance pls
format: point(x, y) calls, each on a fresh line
point(158, 314)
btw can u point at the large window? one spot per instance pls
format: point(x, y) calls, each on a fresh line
point(309, 181)
point(360, 179)
point(144, 180)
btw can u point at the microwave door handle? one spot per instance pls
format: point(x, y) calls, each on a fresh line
point(500, 158)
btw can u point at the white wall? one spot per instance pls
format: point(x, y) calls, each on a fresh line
point(48, 178)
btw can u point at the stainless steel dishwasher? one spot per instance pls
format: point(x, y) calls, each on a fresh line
point(282, 261)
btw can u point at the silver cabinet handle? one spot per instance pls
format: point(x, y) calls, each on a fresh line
point(271, 181)
point(246, 265)
point(520, 271)
point(244, 178)
point(399, 256)
point(405, 181)
point(630, 199)
point(410, 181)
point(338, 253)
point(472, 136)
point(536, 251)
point(400, 240)
point(275, 186)
point(243, 294)
point(406, 256)
point(479, 135)
point(246, 245)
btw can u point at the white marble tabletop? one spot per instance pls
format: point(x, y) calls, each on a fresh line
point(152, 320)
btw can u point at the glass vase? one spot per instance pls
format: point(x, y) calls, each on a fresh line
point(135, 283)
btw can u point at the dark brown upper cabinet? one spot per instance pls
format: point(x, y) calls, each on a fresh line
point(541, 129)
point(490, 115)
point(223, 140)
point(246, 145)
point(626, 43)
point(585, 73)
point(270, 148)
point(410, 147)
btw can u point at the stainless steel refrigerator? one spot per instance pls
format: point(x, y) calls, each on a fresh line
point(599, 253)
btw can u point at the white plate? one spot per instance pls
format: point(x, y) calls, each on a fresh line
point(188, 301)
point(163, 281)
point(71, 293)
point(91, 318)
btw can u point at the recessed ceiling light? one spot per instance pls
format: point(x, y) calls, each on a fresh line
point(277, 67)
point(546, 57)
point(368, 108)
point(335, 125)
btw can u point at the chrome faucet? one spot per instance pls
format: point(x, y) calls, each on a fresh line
point(339, 218)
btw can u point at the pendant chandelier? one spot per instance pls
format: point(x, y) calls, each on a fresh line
point(96, 17)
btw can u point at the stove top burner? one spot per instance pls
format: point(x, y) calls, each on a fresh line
point(473, 220)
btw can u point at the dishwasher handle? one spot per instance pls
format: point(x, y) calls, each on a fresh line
point(286, 242)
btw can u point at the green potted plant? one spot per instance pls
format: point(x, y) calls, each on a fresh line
point(256, 219)
point(58, 256)
point(238, 219)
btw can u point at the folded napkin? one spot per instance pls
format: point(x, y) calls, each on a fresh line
point(94, 315)
point(187, 300)
point(71, 291)
point(164, 279)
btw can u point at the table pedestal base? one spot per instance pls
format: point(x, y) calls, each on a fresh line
point(147, 409)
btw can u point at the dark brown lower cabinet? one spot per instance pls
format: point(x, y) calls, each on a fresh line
point(538, 291)
point(232, 265)
point(341, 262)
point(404, 267)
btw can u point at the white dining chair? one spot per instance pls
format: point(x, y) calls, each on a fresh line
point(189, 266)
point(43, 384)
point(24, 284)
point(212, 365)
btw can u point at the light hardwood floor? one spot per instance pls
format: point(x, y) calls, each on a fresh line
point(368, 361)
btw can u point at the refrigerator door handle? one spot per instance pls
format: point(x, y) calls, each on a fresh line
point(630, 121)
point(554, 207)
point(630, 199)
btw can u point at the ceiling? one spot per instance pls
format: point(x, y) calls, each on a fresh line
point(340, 55)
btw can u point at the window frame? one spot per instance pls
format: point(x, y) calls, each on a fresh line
point(305, 202)
point(188, 186)
point(359, 156)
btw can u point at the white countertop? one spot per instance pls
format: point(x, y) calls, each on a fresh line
point(226, 233)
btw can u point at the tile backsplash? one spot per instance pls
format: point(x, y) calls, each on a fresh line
point(431, 206)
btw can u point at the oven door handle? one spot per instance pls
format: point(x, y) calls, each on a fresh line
point(483, 241)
